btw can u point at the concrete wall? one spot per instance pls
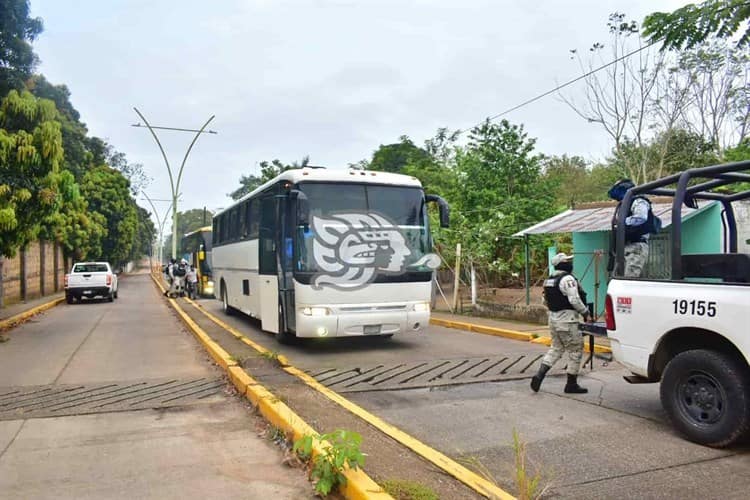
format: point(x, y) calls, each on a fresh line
point(34, 272)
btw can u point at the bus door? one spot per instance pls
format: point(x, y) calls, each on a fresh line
point(285, 255)
point(268, 264)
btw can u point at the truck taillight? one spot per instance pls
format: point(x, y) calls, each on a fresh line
point(109, 279)
point(609, 314)
point(65, 280)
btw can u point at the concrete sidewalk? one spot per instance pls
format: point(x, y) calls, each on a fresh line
point(510, 326)
point(21, 307)
point(91, 363)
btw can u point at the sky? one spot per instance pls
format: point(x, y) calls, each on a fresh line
point(332, 79)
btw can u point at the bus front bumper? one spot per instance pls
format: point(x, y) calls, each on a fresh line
point(361, 321)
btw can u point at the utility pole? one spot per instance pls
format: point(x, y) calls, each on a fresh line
point(174, 185)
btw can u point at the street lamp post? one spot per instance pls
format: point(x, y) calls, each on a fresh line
point(174, 186)
point(160, 221)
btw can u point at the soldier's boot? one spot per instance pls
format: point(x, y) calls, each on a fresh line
point(536, 380)
point(572, 386)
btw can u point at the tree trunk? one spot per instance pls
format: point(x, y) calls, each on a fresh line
point(23, 275)
point(2, 285)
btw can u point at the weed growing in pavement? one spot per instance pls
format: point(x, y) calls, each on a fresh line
point(534, 335)
point(341, 450)
point(271, 356)
point(528, 485)
point(403, 489)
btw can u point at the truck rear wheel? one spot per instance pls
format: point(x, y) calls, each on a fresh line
point(706, 395)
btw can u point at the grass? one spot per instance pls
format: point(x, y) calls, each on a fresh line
point(403, 489)
point(529, 485)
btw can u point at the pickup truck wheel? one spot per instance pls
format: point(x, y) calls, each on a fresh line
point(110, 297)
point(69, 298)
point(706, 395)
point(115, 293)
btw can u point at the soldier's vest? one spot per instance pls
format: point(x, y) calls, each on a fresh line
point(555, 299)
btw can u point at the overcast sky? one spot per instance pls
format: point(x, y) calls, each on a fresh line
point(329, 79)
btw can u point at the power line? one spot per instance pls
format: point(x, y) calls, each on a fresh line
point(559, 87)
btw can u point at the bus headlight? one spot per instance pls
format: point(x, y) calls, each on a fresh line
point(316, 311)
point(422, 307)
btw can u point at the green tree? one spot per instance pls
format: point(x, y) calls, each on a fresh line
point(394, 157)
point(574, 181)
point(77, 229)
point(692, 24)
point(17, 31)
point(501, 190)
point(188, 221)
point(78, 158)
point(108, 193)
point(31, 153)
point(144, 236)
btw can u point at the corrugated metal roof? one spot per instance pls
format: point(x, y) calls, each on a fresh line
point(598, 217)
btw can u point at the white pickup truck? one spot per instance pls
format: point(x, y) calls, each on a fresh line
point(690, 332)
point(90, 280)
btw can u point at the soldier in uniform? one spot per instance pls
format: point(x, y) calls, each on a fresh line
point(566, 302)
point(639, 224)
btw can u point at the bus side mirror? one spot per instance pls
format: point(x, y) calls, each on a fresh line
point(303, 207)
point(445, 209)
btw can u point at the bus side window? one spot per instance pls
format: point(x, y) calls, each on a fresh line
point(243, 221)
point(254, 217)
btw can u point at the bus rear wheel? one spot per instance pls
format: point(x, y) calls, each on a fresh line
point(228, 310)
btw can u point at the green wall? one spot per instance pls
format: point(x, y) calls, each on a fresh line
point(703, 232)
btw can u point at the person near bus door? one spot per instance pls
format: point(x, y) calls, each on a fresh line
point(566, 302)
point(192, 280)
point(639, 224)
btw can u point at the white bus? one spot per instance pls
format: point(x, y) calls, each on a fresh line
point(328, 253)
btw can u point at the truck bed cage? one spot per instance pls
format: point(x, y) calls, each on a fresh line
point(687, 188)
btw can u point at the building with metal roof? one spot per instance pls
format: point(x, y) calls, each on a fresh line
point(590, 225)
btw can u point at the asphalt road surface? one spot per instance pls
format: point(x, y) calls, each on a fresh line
point(117, 400)
point(465, 393)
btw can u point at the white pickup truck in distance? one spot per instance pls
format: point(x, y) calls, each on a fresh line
point(90, 280)
point(690, 332)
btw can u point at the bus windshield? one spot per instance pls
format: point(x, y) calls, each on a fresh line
point(402, 207)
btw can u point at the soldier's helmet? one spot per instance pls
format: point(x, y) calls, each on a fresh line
point(618, 190)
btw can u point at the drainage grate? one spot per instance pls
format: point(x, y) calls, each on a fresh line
point(59, 400)
point(433, 373)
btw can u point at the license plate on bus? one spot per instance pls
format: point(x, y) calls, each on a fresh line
point(371, 329)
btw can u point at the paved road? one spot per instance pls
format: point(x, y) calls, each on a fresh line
point(611, 443)
point(97, 365)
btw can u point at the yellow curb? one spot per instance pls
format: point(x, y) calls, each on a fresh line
point(501, 332)
point(456, 470)
point(219, 355)
point(542, 340)
point(359, 486)
point(19, 318)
